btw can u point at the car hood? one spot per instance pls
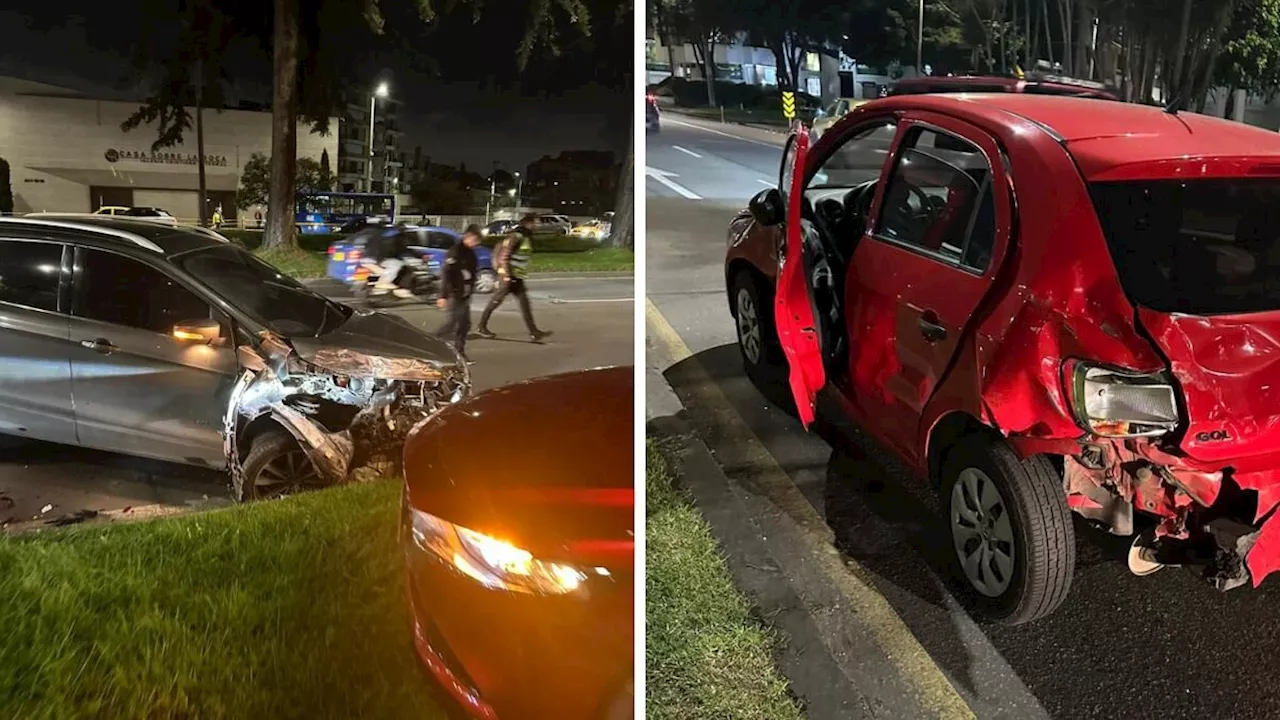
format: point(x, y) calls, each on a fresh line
point(374, 344)
point(546, 464)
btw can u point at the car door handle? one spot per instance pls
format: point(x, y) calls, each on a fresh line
point(930, 328)
point(99, 345)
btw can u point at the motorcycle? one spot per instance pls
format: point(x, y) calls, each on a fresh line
point(415, 276)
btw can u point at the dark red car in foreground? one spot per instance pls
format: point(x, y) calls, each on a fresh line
point(1044, 307)
point(517, 529)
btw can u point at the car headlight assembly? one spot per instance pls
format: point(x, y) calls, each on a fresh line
point(494, 563)
point(1111, 402)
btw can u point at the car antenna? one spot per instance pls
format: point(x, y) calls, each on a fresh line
point(1172, 107)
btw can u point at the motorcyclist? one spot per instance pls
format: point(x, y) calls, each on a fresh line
point(388, 248)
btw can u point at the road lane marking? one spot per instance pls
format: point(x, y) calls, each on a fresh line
point(913, 664)
point(561, 301)
point(664, 177)
point(766, 183)
point(686, 152)
point(728, 135)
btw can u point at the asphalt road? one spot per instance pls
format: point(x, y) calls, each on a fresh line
point(591, 318)
point(1165, 646)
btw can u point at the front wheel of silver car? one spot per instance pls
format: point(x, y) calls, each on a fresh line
point(276, 467)
point(486, 282)
point(1014, 544)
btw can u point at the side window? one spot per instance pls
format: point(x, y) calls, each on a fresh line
point(858, 159)
point(938, 197)
point(115, 289)
point(29, 273)
point(439, 240)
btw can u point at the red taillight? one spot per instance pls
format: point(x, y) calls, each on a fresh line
point(332, 250)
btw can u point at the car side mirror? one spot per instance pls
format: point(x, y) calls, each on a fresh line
point(207, 332)
point(249, 359)
point(767, 207)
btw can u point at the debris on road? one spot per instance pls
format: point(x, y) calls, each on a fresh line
point(72, 518)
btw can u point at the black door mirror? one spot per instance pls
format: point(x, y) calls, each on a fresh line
point(767, 207)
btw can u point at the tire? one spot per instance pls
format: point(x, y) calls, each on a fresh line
point(269, 449)
point(486, 282)
point(764, 356)
point(1038, 529)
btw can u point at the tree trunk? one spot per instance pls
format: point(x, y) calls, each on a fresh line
point(1222, 22)
point(1084, 39)
point(1180, 53)
point(1064, 14)
point(622, 233)
point(1029, 41)
point(1048, 34)
point(202, 195)
point(281, 203)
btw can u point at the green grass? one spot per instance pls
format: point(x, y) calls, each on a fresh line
point(598, 259)
point(295, 262)
point(280, 609)
point(706, 657)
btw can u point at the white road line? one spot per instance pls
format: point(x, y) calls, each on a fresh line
point(728, 135)
point(766, 183)
point(686, 152)
point(664, 177)
point(559, 301)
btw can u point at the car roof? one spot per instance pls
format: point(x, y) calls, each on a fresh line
point(1127, 133)
point(166, 240)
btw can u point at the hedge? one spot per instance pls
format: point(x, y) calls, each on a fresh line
point(693, 93)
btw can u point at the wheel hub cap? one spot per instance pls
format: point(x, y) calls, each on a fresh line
point(748, 327)
point(982, 533)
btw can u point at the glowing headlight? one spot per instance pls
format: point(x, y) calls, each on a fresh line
point(1120, 403)
point(492, 562)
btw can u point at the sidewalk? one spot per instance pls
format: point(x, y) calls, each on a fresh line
point(763, 133)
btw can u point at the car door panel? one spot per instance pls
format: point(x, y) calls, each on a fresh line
point(145, 393)
point(35, 374)
point(918, 301)
point(794, 312)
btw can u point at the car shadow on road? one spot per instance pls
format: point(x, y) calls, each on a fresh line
point(28, 453)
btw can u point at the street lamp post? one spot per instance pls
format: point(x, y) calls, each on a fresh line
point(381, 91)
point(920, 42)
point(519, 191)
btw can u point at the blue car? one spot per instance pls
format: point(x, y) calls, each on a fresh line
point(430, 243)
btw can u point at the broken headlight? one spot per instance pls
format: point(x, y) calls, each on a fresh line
point(492, 562)
point(1121, 403)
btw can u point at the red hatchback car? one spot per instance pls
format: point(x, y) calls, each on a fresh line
point(1045, 305)
point(517, 529)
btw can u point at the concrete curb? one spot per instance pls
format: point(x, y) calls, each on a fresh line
point(754, 126)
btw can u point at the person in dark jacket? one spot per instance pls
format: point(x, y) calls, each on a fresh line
point(512, 262)
point(458, 281)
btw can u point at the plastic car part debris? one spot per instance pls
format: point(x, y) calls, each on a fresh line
point(73, 518)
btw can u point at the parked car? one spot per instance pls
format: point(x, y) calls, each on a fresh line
point(111, 210)
point(832, 113)
point(652, 118)
point(550, 223)
point(1042, 308)
point(143, 213)
point(499, 227)
point(185, 348)
point(1035, 84)
point(429, 243)
point(594, 229)
point(521, 585)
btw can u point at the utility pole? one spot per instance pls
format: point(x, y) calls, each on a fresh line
point(380, 91)
point(203, 194)
point(920, 42)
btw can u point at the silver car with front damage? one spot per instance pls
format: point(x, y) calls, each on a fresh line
point(168, 343)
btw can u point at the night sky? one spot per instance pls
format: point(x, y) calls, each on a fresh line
point(464, 103)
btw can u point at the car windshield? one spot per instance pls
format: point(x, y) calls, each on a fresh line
point(1201, 247)
point(262, 292)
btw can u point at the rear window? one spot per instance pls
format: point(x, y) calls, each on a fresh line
point(1200, 247)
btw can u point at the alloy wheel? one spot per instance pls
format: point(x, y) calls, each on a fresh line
point(288, 474)
point(983, 533)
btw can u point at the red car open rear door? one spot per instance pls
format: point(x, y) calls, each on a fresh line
point(793, 306)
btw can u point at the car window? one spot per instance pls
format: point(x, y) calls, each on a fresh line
point(29, 273)
point(119, 290)
point(859, 158)
point(1197, 246)
point(935, 196)
point(439, 240)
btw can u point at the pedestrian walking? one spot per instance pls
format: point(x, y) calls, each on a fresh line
point(216, 220)
point(458, 281)
point(512, 260)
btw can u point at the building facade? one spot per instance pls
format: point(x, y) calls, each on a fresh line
point(353, 148)
point(67, 153)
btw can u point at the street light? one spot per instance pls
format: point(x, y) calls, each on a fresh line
point(379, 92)
point(920, 42)
point(519, 190)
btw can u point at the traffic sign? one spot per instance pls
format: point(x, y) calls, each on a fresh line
point(789, 104)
